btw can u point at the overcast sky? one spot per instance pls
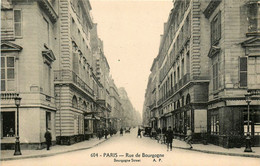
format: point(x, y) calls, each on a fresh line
point(131, 30)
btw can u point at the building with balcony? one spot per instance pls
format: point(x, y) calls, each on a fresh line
point(50, 61)
point(102, 71)
point(179, 77)
point(116, 106)
point(205, 55)
point(29, 49)
point(73, 81)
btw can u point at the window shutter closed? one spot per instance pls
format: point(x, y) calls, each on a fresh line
point(18, 22)
point(76, 63)
point(243, 71)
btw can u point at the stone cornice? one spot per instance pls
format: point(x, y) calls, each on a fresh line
point(50, 12)
point(252, 42)
point(213, 51)
point(48, 56)
point(8, 46)
point(211, 7)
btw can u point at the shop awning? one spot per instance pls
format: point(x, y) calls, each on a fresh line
point(97, 118)
point(154, 119)
point(89, 117)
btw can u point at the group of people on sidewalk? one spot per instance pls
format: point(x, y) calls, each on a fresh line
point(166, 136)
point(100, 133)
point(105, 132)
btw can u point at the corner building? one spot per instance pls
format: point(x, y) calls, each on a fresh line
point(182, 71)
point(29, 49)
point(207, 62)
point(234, 71)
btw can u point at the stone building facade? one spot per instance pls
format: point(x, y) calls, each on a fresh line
point(116, 106)
point(102, 71)
point(234, 71)
point(28, 56)
point(47, 59)
point(129, 117)
point(205, 54)
point(72, 77)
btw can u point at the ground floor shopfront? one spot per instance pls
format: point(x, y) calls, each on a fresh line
point(227, 126)
point(33, 123)
point(223, 126)
point(74, 121)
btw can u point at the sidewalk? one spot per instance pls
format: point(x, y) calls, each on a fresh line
point(57, 149)
point(213, 149)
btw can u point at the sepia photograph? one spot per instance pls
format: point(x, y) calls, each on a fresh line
point(130, 83)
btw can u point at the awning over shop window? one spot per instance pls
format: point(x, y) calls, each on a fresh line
point(89, 117)
point(153, 119)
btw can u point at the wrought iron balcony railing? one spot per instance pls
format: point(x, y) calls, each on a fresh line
point(68, 76)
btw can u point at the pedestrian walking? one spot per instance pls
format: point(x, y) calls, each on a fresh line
point(48, 138)
point(158, 132)
point(153, 133)
point(164, 134)
point(139, 133)
point(121, 131)
point(189, 137)
point(99, 134)
point(111, 132)
point(106, 133)
point(169, 137)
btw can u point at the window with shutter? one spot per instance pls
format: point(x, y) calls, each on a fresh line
point(171, 82)
point(215, 69)
point(18, 23)
point(7, 74)
point(253, 17)
point(216, 29)
point(7, 24)
point(243, 71)
point(76, 62)
point(47, 79)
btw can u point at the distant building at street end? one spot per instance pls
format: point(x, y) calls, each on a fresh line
point(129, 116)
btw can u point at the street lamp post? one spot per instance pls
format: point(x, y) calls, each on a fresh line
point(248, 139)
point(17, 142)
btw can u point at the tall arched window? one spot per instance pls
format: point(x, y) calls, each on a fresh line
point(178, 104)
point(74, 102)
point(84, 106)
point(188, 99)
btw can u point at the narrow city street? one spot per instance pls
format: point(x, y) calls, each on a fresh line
point(124, 150)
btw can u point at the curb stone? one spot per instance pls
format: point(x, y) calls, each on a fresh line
point(50, 154)
point(220, 153)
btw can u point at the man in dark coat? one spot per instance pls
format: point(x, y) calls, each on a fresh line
point(106, 133)
point(164, 129)
point(169, 137)
point(121, 131)
point(139, 133)
point(48, 138)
